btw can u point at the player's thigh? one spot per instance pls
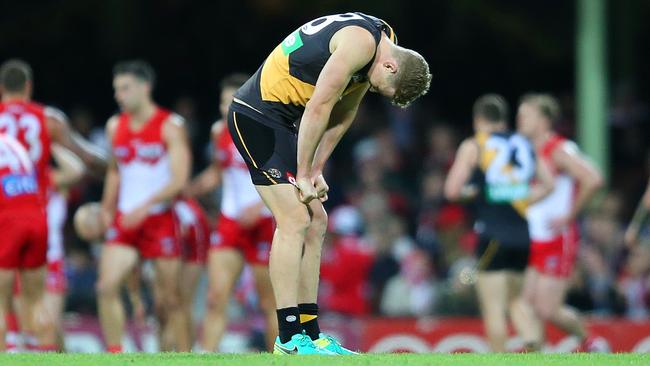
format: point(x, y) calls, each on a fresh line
point(191, 273)
point(492, 288)
point(283, 201)
point(550, 292)
point(168, 276)
point(224, 268)
point(263, 286)
point(115, 263)
point(529, 286)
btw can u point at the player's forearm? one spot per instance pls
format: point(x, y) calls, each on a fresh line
point(111, 187)
point(312, 129)
point(640, 219)
point(70, 168)
point(207, 181)
point(95, 159)
point(586, 190)
point(328, 143)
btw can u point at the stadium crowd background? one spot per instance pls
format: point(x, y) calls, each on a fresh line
point(388, 216)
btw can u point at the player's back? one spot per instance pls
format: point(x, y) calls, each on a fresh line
point(237, 190)
point(27, 123)
point(286, 80)
point(142, 160)
point(20, 189)
point(504, 175)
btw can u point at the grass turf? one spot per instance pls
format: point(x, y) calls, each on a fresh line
point(179, 359)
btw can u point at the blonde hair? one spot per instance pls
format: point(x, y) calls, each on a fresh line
point(412, 78)
point(546, 104)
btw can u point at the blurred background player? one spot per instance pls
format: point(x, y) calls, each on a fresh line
point(195, 240)
point(68, 171)
point(496, 168)
point(318, 75)
point(24, 248)
point(640, 220)
point(151, 164)
point(36, 127)
point(244, 229)
point(552, 221)
point(194, 234)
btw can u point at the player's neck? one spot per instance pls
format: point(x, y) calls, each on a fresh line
point(143, 114)
point(540, 138)
point(9, 97)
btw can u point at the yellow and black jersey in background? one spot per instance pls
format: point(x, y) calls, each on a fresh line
point(285, 82)
point(505, 171)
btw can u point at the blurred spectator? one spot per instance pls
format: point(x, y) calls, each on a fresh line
point(634, 285)
point(414, 291)
point(345, 264)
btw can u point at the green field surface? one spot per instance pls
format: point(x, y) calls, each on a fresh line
point(179, 359)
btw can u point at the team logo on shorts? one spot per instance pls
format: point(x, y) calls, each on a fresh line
point(215, 239)
point(274, 173)
point(111, 234)
point(291, 178)
point(167, 244)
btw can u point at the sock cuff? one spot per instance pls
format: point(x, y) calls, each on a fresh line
point(310, 309)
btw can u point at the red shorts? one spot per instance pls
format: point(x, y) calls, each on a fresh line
point(254, 242)
point(555, 257)
point(24, 238)
point(195, 245)
point(155, 238)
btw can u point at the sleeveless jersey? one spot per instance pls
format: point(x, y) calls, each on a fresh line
point(26, 122)
point(504, 175)
point(142, 160)
point(238, 192)
point(20, 187)
point(559, 202)
point(285, 82)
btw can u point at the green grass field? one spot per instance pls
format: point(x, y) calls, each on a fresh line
point(162, 359)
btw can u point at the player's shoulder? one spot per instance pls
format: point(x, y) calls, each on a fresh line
point(174, 119)
point(53, 113)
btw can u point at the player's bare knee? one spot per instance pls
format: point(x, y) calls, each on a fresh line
point(296, 222)
point(544, 310)
point(319, 222)
point(107, 288)
point(217, 300)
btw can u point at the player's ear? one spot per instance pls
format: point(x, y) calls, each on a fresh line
point(390, 66)
point(28, 87)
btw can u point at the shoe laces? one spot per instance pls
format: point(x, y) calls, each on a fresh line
point(305, 341)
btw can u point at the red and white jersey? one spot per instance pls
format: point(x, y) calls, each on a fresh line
point(20, 187)
point(559, 202)
point(57, 210)
point(142, 159)
point(238, 191)
point(26, 122)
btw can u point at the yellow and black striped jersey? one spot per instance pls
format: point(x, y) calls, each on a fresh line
point(504, 175)
point(286, 80)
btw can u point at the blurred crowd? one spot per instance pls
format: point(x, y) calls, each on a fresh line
point(396, 247)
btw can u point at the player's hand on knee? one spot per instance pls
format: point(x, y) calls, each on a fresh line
point(321, 187)
point(307, 190)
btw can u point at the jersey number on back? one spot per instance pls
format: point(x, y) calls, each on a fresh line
point(317, 25)
point(509, 172)
point(31, 126)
